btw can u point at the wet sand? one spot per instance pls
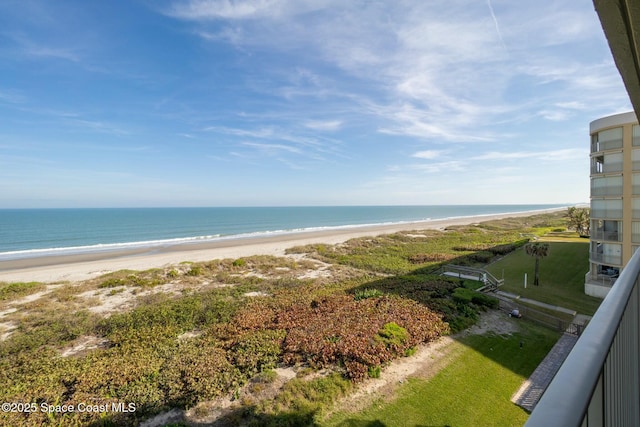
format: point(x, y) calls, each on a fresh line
point(85, 266)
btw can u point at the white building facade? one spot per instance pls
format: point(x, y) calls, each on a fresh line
point(615, 199)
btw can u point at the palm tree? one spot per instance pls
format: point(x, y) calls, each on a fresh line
point(537, 250)
point(578, 219)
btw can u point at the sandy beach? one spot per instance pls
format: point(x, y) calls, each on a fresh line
point(86, 266)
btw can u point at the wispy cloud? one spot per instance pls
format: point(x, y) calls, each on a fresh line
point(328, 125)
point(401, 95)
point(236, 10)
point(428, 154)
point(12, 97)
point(272, 148)
point(266, 132)
point(495, 21)
point(222, 9)
point(552, 155)
point(99, 126)
point(432, 72)
point(42, 49)
point(52, 52)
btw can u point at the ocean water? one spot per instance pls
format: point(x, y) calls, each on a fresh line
point(40, 232)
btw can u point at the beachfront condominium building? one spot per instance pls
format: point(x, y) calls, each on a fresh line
point(615, 199)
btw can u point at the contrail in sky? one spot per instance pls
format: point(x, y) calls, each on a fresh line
point(495, 21)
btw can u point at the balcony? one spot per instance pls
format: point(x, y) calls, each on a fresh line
point(612, 236)
point(606, 145)
point(599, 168)
point(606, 213)
point(614, 190)
point(605, 258)
point(599, 382)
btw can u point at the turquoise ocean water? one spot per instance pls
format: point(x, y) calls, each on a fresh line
point(40, 232)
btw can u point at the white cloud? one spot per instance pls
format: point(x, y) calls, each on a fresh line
point(552, 155)
point(266, 132)
point(239, 10)
point(272, 148)
point(12, 97)
point(328, 125)
point(222, 9)
point(428, 154)
point(432, 70)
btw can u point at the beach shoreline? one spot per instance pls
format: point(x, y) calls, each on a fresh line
point(78, 267)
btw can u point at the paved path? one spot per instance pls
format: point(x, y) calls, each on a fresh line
point(517, 298)
point(531, 390)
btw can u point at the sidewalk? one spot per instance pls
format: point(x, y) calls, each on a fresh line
point(517, 298)
point(531, 390)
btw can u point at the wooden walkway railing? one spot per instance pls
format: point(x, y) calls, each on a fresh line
point(491, 283)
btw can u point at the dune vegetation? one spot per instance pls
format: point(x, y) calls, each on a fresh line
point(260, 340)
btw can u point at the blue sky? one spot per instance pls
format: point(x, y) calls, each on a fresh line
point(299, 102)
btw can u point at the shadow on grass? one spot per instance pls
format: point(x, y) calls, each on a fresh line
point(249, 416)
point(437, 293)
point(361, 423)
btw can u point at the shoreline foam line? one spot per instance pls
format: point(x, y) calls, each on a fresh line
point(84, 266)
point(159, 243)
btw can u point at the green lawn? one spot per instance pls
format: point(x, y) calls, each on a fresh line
point(561, 276)
point(473, 390)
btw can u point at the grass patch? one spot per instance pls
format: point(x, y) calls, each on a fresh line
point(9, 291)
point(561, 276)
point(473, 390)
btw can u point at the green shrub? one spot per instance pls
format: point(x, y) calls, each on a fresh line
point(503, 249)
point(195, 270)
point(410, 351)
point(367, 293)
point(112, 283)
point(13, 290)
point(193, 375)
point(240, 262)
point(393, 335)
point(130, 280)
point(266, 377)
point(483, 300)
point(482, 257)
point(374, 371)
point(430, 257)
point(257, 351)
point(463, 295)
point(311, 395)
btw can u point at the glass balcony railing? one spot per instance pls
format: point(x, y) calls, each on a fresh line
point(612, 236)
point(614, 190)
point(606, 213)
point(606, 145)
point(607, 168)
point(605, 258)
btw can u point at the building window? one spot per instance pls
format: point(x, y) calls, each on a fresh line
point(635, 203)
point(602, 229)
point(635, 158)
point(606, 140)
point(635, 232)
point(635, 180)
point(607, 163)
point(606, 186)
point(636, 135)
point(608, 209)
point(607, 253)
